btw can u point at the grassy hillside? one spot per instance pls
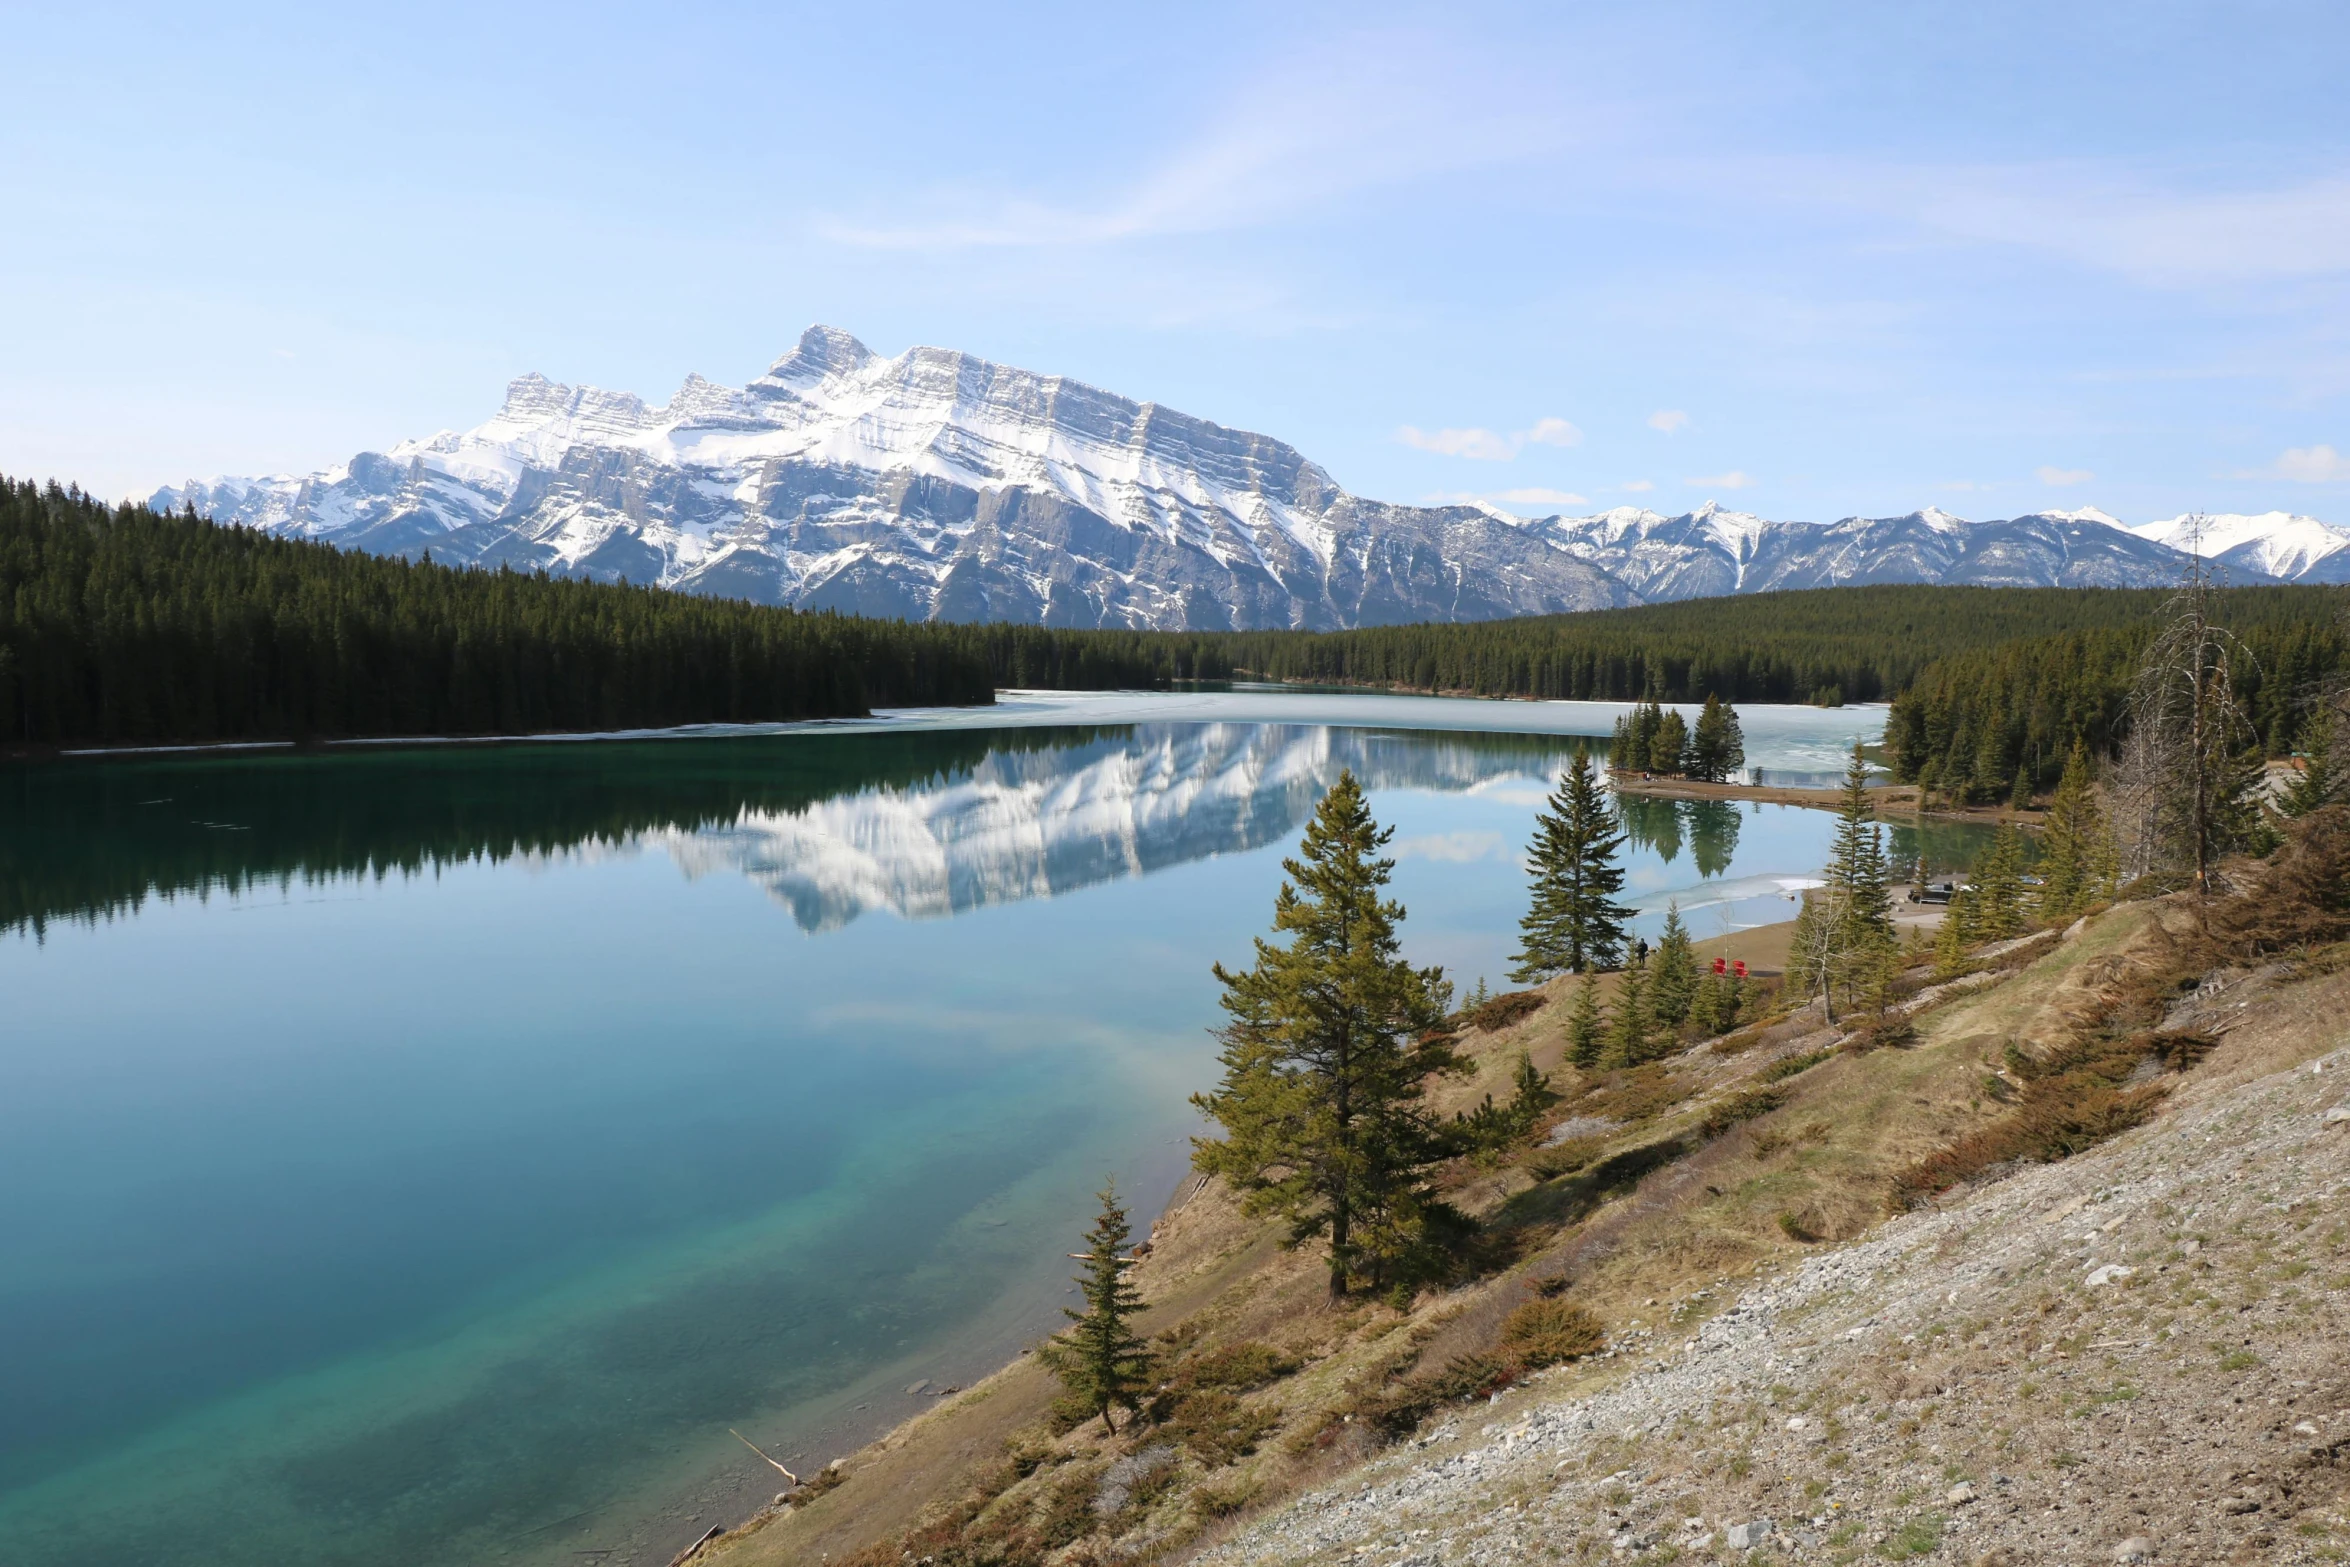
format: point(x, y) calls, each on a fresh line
point(1845, 1280)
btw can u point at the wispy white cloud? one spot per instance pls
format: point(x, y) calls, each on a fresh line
point(1368, 111)
point(1668, 420)
point(1490, 445)
point(2062, 476)
point(2157, 224)
point(1733, 480)
point(1480, 445)
point(1638, 486)
point(2304, 465)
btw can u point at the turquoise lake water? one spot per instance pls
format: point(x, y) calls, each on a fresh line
point(426, 1155)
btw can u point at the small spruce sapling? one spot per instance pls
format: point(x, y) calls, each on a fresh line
point(1101, 1362)
point(1630, 1038)
point(1586, 1031)
point(1672, 985)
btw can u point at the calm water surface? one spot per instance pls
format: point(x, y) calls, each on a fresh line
point(426, 1155)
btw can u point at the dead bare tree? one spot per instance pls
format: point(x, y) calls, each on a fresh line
point(2184, 784)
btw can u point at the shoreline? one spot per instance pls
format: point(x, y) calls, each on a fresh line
point(1903, 799)
point(926, 1442)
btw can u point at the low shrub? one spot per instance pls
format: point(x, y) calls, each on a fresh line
point(1780, 1071)
point(1576, 1153)
point(1738, 1109)
point(1217, 1428)
point(1548, 1331)
point(1237, 1367)
point(2070, 1102)
point(1493, 1016)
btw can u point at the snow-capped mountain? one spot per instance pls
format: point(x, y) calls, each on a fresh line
point(935, 485)
point(1714, 551)
point(2277, 544)
point(931, 485)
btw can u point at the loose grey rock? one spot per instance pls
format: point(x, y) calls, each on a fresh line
point(1959, 1495)
point(1746, 1536)
point(2137, 1548)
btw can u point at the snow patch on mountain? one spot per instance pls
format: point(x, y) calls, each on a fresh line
point(2279, 544)
point(937, 485)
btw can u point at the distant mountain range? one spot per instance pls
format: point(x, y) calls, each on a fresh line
point(935, 485)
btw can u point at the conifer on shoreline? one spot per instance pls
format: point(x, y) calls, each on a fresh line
point(1573, 923)
point(1101, 1362)
point(1330, 1040)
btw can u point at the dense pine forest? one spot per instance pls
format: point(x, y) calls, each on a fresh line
point(119, 625)
point(1840, 644)
point(1972, 721)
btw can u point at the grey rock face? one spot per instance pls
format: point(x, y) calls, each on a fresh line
point(929, 486)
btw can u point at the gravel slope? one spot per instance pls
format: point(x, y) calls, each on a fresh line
point(2140, 1354)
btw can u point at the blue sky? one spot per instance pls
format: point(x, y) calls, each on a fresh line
point(1811, 260)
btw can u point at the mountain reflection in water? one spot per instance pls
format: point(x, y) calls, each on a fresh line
point(1034, 824)
point(920, 824)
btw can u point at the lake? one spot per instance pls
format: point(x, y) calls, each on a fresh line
point(426, 1154)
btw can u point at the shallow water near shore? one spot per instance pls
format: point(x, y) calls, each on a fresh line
point(428, 1155)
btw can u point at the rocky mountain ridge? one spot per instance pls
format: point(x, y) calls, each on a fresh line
point(936, 485)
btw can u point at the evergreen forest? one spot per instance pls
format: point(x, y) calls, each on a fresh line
point(118, 625)
point(1827, 645)
point(122, 626)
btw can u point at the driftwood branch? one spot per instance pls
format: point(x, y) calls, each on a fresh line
point(756, 1448)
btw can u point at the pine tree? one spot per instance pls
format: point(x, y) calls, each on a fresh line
point(1586, 1033)
point(2318, 782)
point(2019, 797)
point(1672, 985)
point(1717, 747)
point(1856, 863)
point(1668, 749)
point(1845, 927)
point(1530, 1095)
point(2076, 846)
point(1631, 1039)
point(1996, 898)
point(1639, 736)
point(1102, 1363)
point(1331, 1038)
point(1955, 936)
point(1574, 924)
point(1619, 746)
point(1729, 1000)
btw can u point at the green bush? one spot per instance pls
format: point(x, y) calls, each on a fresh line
point(1549, 1331)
